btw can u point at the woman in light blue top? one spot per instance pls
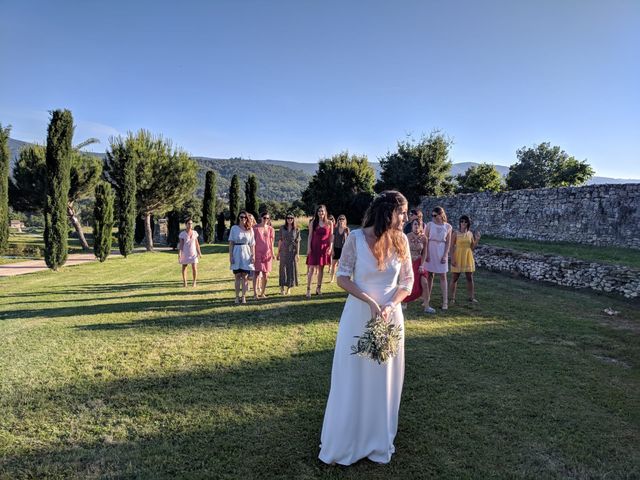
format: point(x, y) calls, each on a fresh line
point(242, 253)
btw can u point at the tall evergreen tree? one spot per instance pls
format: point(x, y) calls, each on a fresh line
point(209, 207)
point(102, 221)
point(5, 155)
point(251, 195)
point(120, 171)
point(221, 227)
point(173, 228)
point(234, 198)
point(58, 159)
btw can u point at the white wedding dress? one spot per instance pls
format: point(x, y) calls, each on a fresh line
point(361, 419)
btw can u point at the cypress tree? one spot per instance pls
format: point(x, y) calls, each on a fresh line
point(58, 158)
point(221, 227)
point(120, 171)
point(251, 195)
point(5, 155)
point(102, 221)
point(173, 228)
point(234, 199)
point(209, 207)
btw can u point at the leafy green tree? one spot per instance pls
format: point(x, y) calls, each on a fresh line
point(480, 178)
point(543, 166)
point(102, 221)
point(5, 157)
point(418, 168)
point(234, 198)
point(29, 178)
point(341, 182)
point(251, 195)
point(165, 176)
point(209, 207)
point(120, 171)
point(220, 227)
point(58, 161)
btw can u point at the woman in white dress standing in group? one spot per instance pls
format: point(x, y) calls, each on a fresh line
point(361, 418)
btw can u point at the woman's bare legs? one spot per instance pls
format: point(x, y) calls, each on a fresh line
point(184, 275)
point(310, 270)
point(454, 285)
point(256, 285)
point(194, 270)
point(245, 286)
point(264, 276)
point(444, 288)
point(471, 287)
point(334, 267)
point(238, 285)
point(320, 276)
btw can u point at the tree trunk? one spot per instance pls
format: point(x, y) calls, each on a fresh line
point(76, 224)
point(148, 234)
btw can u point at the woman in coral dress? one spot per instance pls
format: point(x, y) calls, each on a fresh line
point(319, 247)
point(265, 236)
point(462, 245)
point(361, 418)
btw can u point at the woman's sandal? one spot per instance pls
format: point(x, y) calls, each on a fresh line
point(308, 294)
point(318, 291)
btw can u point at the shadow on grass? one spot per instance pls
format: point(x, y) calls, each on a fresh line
point(515, 414)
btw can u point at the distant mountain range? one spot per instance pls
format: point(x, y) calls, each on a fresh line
point(284, 180)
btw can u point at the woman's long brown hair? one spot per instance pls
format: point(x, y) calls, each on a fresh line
point(379, 215)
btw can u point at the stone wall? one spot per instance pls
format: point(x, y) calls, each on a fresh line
point(596, 214)
point(568, 272)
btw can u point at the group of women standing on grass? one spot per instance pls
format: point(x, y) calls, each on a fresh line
point(431, 245)
point(251, 251)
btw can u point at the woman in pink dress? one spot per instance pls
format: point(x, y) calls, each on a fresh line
point(189, 252)
point(319, 247)
point(437, 262)
point(265, 236)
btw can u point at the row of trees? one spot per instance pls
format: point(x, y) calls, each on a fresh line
point(422, 167)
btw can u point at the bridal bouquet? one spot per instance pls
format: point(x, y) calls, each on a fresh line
point(379, 342)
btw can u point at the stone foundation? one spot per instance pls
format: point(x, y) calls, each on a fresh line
point(568, 272)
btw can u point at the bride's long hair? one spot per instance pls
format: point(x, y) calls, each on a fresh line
point(379, 215)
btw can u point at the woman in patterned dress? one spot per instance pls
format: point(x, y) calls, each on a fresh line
point(288, 252)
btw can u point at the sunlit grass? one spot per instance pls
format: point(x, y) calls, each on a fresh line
point(115, 371)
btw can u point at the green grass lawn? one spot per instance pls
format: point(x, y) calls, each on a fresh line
point(623, 256)
point(115, 371)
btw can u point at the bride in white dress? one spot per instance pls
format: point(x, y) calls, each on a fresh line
point(361, 419)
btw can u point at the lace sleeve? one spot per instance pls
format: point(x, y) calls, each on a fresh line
point(348, 257)
point(405, 278)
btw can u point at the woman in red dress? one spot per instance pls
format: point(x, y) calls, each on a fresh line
point(319, 247)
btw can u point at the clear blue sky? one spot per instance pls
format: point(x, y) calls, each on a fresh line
point(304, 79)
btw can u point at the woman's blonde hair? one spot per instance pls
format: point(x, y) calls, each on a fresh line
point(379, 215)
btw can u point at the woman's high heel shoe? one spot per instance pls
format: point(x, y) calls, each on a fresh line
point(308, 295)
point(318, 291)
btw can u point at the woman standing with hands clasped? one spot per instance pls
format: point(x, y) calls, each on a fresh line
point(189, 252)
point(265, 236)
point(242, 253)
point(462, 261)
point(288, 252)
point(319, 246)
point(361, 418)
point(438, 235)
point(340, 234)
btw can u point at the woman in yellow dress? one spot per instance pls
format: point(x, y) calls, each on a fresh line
point(463, 243)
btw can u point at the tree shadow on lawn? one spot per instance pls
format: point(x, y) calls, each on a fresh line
point(178, 304)
point(511, 417)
